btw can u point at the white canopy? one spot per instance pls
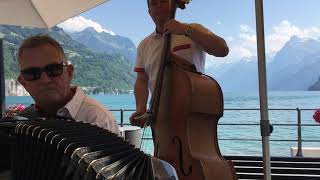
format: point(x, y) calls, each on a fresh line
point(42, 13)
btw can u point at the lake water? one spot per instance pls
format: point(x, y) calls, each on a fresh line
point(227, 133)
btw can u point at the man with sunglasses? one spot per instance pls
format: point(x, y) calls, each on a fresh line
point(46, 75)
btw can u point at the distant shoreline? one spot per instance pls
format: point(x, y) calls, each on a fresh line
point(14, 88)
point(87, 94)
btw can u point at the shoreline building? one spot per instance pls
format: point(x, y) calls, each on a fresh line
point(14, 88)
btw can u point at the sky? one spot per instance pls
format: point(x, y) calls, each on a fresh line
point(234, 20)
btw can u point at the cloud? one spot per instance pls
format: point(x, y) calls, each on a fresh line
point(80, 23)
point(215, 62)
point(246, 44)
point(240, 48)
point(242, 52)
point(229, 38)
point(245, 28)
point(248, 40)
point(282, 33)
point(219, 22)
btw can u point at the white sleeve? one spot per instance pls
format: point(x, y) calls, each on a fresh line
point(139, 66)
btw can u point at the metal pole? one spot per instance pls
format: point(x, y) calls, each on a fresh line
point(299, 151)
point(265, 125)
point(121, 112)
point(2, 82)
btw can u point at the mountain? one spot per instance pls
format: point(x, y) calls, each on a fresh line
point(105, 71)
point(315, 86)
point(296, 66)
point(105, 42)
point(240, 76)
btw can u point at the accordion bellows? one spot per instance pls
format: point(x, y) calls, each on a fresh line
point(62, 149)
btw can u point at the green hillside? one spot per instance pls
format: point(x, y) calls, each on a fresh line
point(106, 72)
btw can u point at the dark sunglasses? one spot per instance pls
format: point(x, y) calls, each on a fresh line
point(34, 73)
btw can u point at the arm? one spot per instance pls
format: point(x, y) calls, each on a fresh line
point(141, 94)
point(207, 40)
point(141, 91)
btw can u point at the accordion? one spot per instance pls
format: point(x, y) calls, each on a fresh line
point(64, 149)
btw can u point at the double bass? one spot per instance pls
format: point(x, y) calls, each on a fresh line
point(184, 111)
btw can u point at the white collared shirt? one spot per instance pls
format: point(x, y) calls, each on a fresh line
point(150, 52)
point(82, 108)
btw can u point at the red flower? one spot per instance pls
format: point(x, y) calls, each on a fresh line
point(316, 116)
point(13, 110)
point(20, 107)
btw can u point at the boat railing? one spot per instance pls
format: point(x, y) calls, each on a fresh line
point(298, 124)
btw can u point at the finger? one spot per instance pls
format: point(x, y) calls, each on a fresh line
point(138, 122)
point(135, 122)
point(141, 123)
point(166, 33)
point(133, 115)
point(170, 23)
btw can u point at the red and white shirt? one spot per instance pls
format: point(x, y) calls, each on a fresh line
point(150, 52)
